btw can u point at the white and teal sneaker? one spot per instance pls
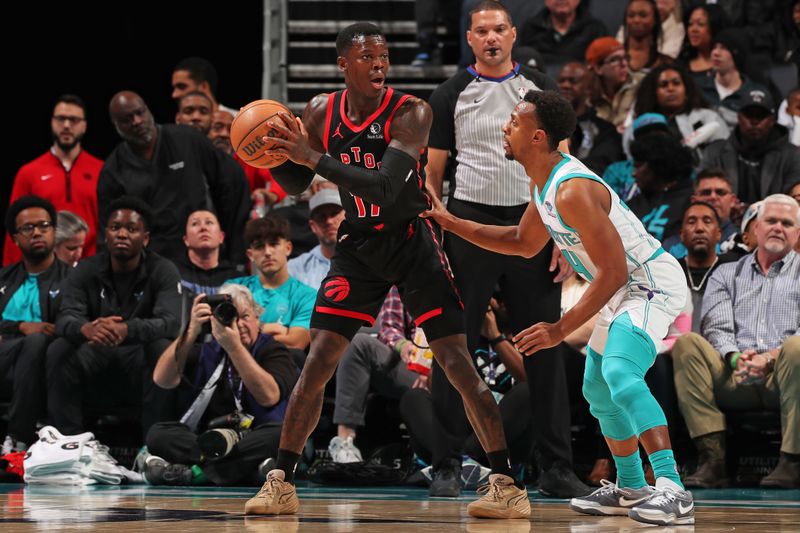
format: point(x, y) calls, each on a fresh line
point(610, 500)
point(669, 505)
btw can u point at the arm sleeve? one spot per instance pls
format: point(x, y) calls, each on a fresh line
point(379, 187)
point(292, 178)
point(716, 319)
point(165, 321)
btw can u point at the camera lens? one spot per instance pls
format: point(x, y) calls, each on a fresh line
point(226, 313)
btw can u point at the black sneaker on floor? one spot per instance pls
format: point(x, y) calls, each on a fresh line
point(446, 482)
point(159, 472)
point(560, 481)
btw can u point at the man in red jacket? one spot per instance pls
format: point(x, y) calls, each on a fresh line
point(66, 175)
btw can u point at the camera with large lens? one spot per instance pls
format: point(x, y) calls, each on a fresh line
point(223, 433)
point(223, 310)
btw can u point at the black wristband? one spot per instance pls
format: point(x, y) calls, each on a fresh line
point(497, 340)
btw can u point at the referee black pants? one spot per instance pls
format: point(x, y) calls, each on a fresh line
point(530, 296)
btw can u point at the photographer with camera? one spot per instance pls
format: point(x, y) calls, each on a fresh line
point(243, 380)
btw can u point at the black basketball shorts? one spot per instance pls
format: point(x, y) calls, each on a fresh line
point(365, 267)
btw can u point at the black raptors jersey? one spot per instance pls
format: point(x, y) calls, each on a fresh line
point(363, 145)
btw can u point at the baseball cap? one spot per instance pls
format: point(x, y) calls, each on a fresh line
point(752, 212)
point(758, 98)
point(647, 120)
point(601, 48)
point(324, 197)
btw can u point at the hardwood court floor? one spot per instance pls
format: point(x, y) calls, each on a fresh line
point(394, 510)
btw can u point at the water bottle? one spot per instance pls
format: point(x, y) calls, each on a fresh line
point(259, 206)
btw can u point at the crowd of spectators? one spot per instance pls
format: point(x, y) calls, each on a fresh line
point(108, 266)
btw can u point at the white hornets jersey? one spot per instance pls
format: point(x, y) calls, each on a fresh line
point(639, 245)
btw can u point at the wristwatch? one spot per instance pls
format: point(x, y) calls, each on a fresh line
point(770, 362)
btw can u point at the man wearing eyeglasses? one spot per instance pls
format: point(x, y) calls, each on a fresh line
point(714, 188)
point(66, 175)
point(30, 297)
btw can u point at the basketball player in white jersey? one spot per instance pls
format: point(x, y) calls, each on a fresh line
point(637, 288)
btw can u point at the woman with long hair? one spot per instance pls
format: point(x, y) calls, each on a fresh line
point(670, 90)
point(642, 35)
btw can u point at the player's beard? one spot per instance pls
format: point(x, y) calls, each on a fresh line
point(67, 147)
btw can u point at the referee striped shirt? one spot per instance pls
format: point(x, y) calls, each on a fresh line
point(469, 112)
point(745, 309)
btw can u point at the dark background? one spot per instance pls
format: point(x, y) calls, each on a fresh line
point(97, 49)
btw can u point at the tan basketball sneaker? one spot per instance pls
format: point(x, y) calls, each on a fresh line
point(501, 499)
point(275, 497)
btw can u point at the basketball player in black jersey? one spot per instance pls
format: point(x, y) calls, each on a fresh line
point(374, 137)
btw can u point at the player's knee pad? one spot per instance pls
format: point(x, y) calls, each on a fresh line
point(631, 394)
point(614, 422)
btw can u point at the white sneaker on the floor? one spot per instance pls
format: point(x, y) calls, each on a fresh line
point(610, 500)
point(344, 451)
point(670, 505)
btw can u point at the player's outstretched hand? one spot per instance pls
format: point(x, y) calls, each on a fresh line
point(438, 211)
point(292, 140)
point(538, 337)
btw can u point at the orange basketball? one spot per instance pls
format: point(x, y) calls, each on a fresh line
point(250, 126)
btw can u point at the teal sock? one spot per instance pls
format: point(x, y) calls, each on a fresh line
point(663, 463)
point(630, 474)
point(198, 476)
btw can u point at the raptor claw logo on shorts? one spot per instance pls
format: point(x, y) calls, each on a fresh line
point(337, 289)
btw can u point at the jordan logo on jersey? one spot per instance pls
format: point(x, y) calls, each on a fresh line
point(338, 132)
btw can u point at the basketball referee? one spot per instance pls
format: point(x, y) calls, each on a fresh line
point(469, 111)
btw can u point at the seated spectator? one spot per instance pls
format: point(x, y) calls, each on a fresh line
point(326, 214)
point(197, 74)
point(669, 90)
point(789, 115)
point(71, 231)
point(120, 311)
point(201, 268)
point(757, 157)
point(30, 297)
point(672, 28)
point(595, 141)
point(614, 87)
point(749, 353)
point(440, 437)
point(746, 241)
point(619, 175)
point(176, 171)
point(287, 302)
point(783, 35)
point(703, 22)
point(663, 173)
point(194, 110)
point(728, 94)
point(372, 364)
point(712, 187)
point(700, 235)
point(561, 31)
point(641, 29)
point(251, 376)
